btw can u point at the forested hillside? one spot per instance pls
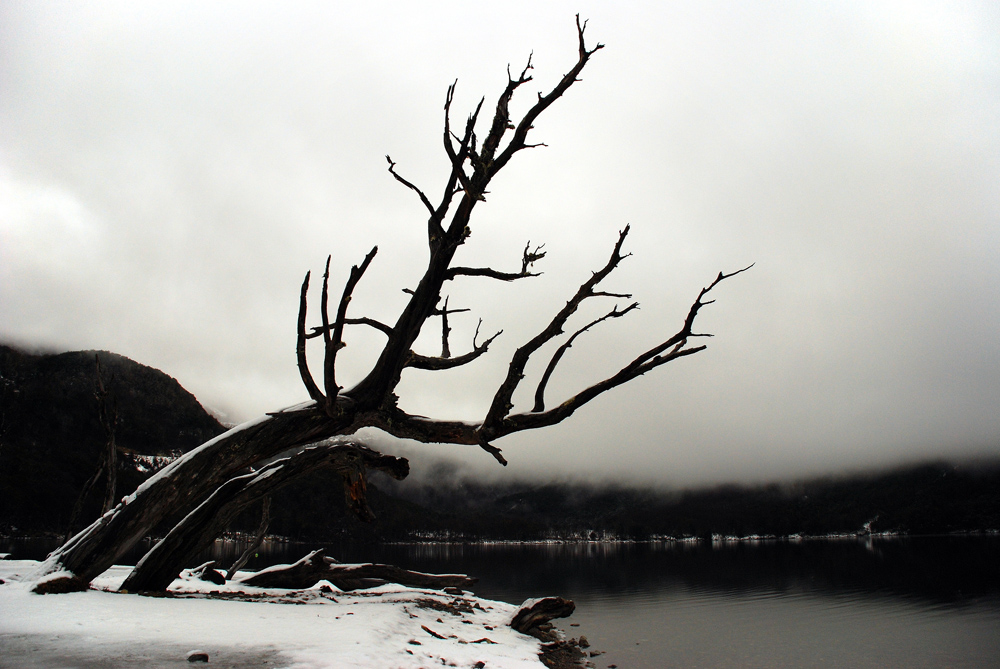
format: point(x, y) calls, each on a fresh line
point(931, 498)
point(52, 437)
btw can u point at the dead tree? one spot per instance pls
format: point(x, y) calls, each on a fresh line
point(474, 160)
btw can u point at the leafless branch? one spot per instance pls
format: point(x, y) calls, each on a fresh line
point(426, 430)
point(258, 539)
point(458, 181)
point(517, 142)
point(411, 186)
point(445, 329)
point(671, 349)
point(328, 379)
point(557, 356)
point(501, 405)
point(528, 258)
point(370, 322)
point(446, 362)
point(300, 347)
point(336, 341)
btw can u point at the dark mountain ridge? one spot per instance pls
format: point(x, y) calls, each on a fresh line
point(51, 435)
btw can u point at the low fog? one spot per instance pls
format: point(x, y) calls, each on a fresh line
point(170, 171)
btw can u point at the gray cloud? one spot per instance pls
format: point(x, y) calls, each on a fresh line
point(168, 173)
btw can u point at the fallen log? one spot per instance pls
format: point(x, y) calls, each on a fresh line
point(316, 567)
point(208, 572)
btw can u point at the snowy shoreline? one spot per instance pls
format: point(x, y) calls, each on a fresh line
point(386, 626)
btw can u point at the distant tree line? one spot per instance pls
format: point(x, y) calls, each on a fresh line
point(930, 498)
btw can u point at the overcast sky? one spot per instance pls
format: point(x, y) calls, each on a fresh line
point(170, 171)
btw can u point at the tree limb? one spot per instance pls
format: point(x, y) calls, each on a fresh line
point(528, 258)
point(669, 350)
point(502, 404)
point(316, 567)
point(517, 142)
point(557, 356)
point(335, 342)
point(258, 538)
point(443, 312)
point(158, 568)
point(370, 322)
point(458, 181)
point(300, 348)
point(423, 198)
point(435, 364)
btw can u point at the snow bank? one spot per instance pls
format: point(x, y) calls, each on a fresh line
point(388, 626)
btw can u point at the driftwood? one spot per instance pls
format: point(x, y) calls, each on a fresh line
point(536, 612)
point(317, 567)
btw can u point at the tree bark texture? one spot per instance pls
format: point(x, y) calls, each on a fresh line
point(161, 565)
point(185, 483)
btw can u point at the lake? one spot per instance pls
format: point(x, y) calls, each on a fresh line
point(872, 602)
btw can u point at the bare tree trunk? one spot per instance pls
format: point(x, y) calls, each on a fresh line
point(161, 565)
point(185, 483)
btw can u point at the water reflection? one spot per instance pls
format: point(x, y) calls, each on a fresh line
point(931, 601)
point(946, 571)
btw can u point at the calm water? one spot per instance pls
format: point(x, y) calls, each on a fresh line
point(914, 602)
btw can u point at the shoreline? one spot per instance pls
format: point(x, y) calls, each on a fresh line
point(241, 626)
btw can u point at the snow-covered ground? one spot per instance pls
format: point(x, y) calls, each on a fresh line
point(386, 627)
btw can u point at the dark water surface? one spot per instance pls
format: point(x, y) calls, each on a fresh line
point(900, 602)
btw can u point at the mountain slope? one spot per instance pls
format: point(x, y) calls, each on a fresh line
point(51, 436)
